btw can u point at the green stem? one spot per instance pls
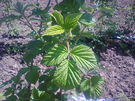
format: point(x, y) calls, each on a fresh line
point(30, 25)
point(68, 47)
point(68, 43)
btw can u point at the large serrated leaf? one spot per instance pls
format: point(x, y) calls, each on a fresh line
point(58, 17)
point(71, 20)
point(92, 87)
point(84, 57)
point(54, 30)
point(55, 55)
point(67, 75)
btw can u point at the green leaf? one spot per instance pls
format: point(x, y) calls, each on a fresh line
point(12, 98)
point(58, 17)
point(35, 93)
point(92, 87)
point(33, 75)
point(7, 82)
point(71, 20)
point(55, 55)
point(84, 57)
point(33, 49)
point(23, 94)
point(8, 91)
point(86, 17)
point(44, 96)
point(22, 71)
point(21, 7)
point(10, 18)
point(67, 75)
point(71, 6)
point(87, 34)
point(54, 30)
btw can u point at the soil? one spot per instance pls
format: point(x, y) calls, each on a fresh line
point(118, 68)
point(119, 73)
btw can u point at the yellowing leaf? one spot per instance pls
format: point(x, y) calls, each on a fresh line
point(54, 30)
point(58, 17)
point(72, 20)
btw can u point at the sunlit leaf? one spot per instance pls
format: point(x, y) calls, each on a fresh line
point(58, 17)
point(54, 30)
point(84, 57)
point(71, 20)
point(67, 75)
point(55, 55)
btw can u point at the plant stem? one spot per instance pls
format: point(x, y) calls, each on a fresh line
point(41, 23)
point(30, 25)
point(56, 1)
point(68, 44)
point(48, 4)
point(68, 47)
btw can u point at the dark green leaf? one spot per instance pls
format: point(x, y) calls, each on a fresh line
point(12, 98)
point(92, 87)
point(86, 18)
point(33, 75)
point(33, 49)
point(35, 93)
point(71, 6)
point(8, 91)
point(22, 71)
point(7, 82)
point(46, 97)
point(23, 94)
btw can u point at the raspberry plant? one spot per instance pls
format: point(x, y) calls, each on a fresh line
point(70, 60)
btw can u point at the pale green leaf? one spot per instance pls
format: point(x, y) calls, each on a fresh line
point(58, 17)
point(84, 57)
point(55, 55)
point(71, 20)
point(67, 75)
point(54, 30)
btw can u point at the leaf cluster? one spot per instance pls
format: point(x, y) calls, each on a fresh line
point(62, 50)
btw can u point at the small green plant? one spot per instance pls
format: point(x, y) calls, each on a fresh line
point(1, 97)
point(70, 61)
